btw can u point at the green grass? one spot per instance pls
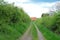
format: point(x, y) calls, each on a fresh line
point(47, 33)
point(34, 33)
point(12, 32)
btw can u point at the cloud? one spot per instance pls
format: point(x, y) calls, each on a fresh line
point(33, 9)
point(10, 1)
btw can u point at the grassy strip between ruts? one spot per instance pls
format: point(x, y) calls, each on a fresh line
point(34, 33)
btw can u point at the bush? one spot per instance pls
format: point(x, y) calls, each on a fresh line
point(51, 22)
point(13, 22)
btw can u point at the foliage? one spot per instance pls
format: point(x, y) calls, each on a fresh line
point(47, 33)
point(13, 22)
point(50, 26)
point(58, 22)
point(51, 22)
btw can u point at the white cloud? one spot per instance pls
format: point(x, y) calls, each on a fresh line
point(10, 1)
point(33, 9)
point(46, 4)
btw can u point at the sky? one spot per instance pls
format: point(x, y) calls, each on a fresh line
point(34, 8)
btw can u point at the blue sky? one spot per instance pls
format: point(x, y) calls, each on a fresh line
point(45, 0)
point(35, 8)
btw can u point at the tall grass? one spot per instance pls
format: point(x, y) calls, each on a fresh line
point(47, 33)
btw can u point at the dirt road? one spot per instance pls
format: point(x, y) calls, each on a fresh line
point(28, 34)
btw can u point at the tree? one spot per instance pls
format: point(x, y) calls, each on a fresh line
point(55, 7)
point(2, 2)
point(58, 5)
point(13, 21)
point(45, 14)
point(58, 23)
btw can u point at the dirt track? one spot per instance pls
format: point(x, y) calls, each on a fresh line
point(28, 35)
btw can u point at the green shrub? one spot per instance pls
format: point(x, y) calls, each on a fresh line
point(13, 22)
